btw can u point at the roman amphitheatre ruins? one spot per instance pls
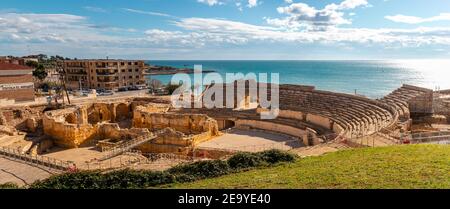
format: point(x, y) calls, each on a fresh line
point(148, 133)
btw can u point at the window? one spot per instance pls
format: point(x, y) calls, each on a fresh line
point(130, 70)
point(136, 63)
point(123, 71)
point(122, 63)
point(130, 77)
point(129, 63)
point(137, 76)
point(136, 70)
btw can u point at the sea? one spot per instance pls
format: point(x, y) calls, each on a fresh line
point(373, 78)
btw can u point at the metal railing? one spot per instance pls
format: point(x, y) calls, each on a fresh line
point(440, 137)
point(127, 146)
point(44, 161)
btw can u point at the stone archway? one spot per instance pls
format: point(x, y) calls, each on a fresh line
point(122, 112)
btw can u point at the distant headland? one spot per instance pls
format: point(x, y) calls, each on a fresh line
point(168, 70)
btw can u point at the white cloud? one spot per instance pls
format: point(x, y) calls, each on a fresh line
point(225, 31)
point(148, 13)
point(303, 16)
point(238, 3)
point(72, 33)
point(418, 20)
point(211, 2)
point(252, 3)
point(95, 9)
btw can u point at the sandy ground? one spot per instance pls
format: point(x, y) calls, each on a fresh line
point(251, 141)
point(21, 173)
point(78, 155)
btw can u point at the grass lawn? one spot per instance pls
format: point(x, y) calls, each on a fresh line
point(407, 166)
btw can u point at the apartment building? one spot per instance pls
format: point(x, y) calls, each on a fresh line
point(103, 74)
point(16, 82)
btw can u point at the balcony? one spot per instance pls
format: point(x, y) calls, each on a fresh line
point(106, 74)
point(107, 80)
point(76, 73)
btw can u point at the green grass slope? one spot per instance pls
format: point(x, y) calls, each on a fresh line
point(409, 166)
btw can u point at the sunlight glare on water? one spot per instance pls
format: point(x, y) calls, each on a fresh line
point(430, 73)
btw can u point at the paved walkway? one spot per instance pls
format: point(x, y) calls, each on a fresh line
point(20, 173)
point(81, 100)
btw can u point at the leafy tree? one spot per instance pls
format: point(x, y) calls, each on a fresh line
point(154, 84)
point(172, 87)
point(40, 72)
point(32, 64)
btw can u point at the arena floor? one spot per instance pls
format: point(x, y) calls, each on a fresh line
point(251, 141)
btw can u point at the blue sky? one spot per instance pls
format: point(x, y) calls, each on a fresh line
point(227, 29)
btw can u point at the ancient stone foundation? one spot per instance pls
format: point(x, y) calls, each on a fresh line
point(110, 124)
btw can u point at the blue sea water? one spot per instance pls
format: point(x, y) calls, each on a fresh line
point(373, 79)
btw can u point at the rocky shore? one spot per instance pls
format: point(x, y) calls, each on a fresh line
point(167, 70)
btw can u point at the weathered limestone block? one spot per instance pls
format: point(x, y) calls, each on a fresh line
point(31, 124)
point(44, 146)
point(291, 114)
point(173, 137)
point(435, 119)
point(8, 130)
point(319, 120)
point(64, 133)
point(186, 123)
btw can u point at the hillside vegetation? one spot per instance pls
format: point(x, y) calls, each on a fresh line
point(408, 166)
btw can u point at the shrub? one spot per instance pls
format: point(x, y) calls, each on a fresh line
point(200, 170)
point(9, 185)
point(130, 179)
point(276, 156)
point(172, 87)
point(80, 180)
point(245, 160)
point(123, 179)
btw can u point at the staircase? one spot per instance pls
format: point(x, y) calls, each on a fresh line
point(127, 146)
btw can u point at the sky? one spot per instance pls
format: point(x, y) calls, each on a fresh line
point(227, 29)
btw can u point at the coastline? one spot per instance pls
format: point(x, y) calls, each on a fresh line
point(170, 70)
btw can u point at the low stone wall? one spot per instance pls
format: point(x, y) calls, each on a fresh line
point(273, 127)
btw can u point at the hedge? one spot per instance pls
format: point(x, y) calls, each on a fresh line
point(9, 185)
point(132, 179)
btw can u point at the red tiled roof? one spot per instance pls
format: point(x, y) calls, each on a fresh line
point(9, 66)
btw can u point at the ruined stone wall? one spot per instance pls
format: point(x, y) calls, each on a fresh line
point(19, 117)
point(186, 123)
point(169, 141)
point(68, 134)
